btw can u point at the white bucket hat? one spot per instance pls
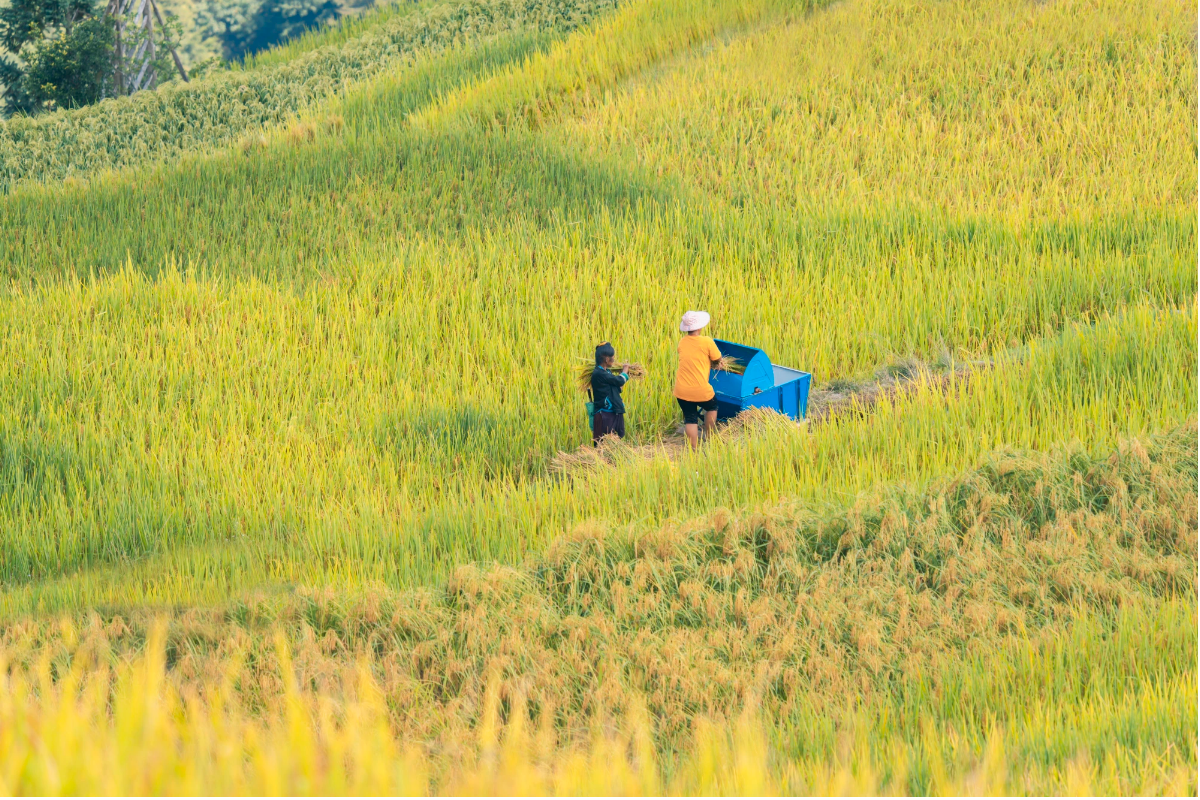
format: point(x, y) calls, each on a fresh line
point(693, 321)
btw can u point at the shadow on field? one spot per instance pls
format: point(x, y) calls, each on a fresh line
point(292, 209)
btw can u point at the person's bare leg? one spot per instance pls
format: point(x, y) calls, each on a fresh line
point(710, 423)
point(693, 435)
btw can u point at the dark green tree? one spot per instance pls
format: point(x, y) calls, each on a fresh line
point(46, 37)
point(62, 53)
point(279, 20)
point(13, 98)
point(245, 27)
point(73, 69)
point(23, 21)
point(228, 21)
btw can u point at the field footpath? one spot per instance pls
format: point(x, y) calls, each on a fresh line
point(838, 397)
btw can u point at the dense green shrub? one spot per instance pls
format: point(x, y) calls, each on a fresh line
point(72, 69)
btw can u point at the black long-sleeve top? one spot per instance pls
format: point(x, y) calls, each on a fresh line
point(606, 390)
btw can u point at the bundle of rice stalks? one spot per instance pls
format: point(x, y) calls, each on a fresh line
point(634, 370)
point(730, 364)
point(584, 372)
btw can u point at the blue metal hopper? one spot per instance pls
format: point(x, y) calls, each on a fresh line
point(762, 385)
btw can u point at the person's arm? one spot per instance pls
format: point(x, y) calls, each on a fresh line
point(714, 353)
point(606, 378)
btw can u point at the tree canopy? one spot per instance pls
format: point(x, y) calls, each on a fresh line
point(57, 53)
point(61, 53)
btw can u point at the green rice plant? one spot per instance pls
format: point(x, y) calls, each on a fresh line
point(639, 35)
point(886, 104)
point(237, 513)
point(346, 29)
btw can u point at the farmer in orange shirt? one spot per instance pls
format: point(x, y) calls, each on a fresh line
point(697, 354)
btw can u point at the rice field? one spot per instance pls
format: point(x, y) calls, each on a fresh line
point(918, 615)
point(315, 353)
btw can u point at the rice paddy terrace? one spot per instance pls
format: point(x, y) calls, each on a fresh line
point(287, 363)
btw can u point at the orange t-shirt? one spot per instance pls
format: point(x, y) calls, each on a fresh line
point(696, 354)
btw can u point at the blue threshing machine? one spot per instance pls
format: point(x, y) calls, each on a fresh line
point(761, 385)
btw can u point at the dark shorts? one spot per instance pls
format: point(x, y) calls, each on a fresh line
point(604, 423)
point(692, 410)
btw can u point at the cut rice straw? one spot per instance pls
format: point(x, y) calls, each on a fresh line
point(729, 364)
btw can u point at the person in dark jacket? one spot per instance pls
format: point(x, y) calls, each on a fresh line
point(606, 394)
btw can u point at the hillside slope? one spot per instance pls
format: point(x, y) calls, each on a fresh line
point(344, 354)
point(269, 90)
point(287, 372)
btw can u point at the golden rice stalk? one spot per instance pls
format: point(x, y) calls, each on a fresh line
point(634, 370)
point(583, 375)
point(730, 364)
point(584, 372)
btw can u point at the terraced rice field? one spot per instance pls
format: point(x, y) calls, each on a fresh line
point(284, 381)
